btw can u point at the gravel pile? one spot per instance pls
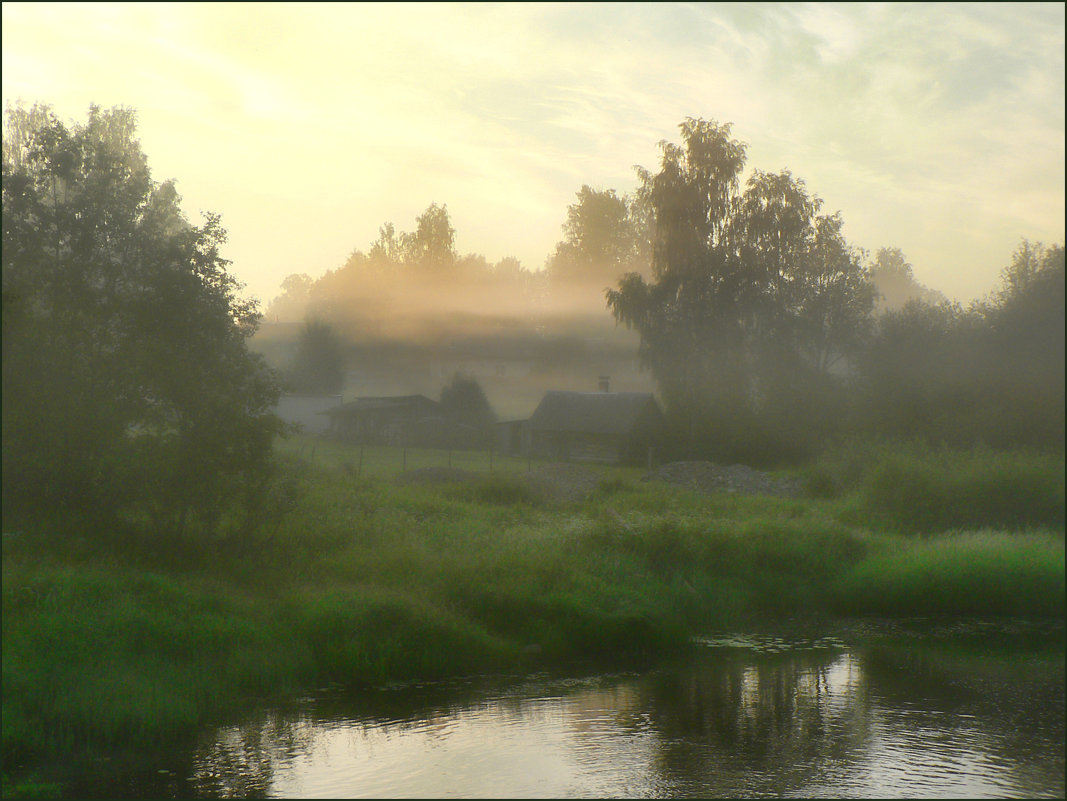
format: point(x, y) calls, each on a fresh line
point(708, 477)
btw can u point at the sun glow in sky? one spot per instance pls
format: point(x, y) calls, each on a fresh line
point(936, 128)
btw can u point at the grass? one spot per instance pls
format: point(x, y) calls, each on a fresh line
point(115, 638)
point(375, 460)
point(913, 488)
point(967, 573)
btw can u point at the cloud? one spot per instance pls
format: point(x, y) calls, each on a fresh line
point(308, 125)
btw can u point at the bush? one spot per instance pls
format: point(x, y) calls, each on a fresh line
point(915, 488)
point(930, 492)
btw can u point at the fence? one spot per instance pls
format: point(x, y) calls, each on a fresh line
point(372, 460)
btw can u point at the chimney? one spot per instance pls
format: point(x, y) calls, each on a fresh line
point(604, 381)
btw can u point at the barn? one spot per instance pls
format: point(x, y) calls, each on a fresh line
point(610, 427)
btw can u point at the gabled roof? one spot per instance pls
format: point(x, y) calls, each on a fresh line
point(592, 412)
point(387, 402)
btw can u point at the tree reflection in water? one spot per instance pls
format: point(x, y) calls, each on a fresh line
point(731, 726)
point(749, 718)
point(240, 762)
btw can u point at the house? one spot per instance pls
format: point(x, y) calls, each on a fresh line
point(394, 420)
point(595, 426)
point(306, 411)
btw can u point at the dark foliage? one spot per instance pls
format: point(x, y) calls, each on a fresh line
point(318, 367)
point(127, 384)
point(992, 374)
point(755, 298)
point(463, 404)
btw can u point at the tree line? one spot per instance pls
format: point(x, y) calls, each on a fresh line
point(129, 391)
point(759, 323)
point(768, 333)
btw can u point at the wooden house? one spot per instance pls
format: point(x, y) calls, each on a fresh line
point(609, 427)
point(394, 420)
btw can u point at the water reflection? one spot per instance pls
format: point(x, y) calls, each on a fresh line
point(746, 717)
point(243, 758)
point(744, 724)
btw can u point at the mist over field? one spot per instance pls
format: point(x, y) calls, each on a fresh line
point(366, 346)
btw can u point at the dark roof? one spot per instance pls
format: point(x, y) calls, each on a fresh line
point(592, 412)
point(388, 402)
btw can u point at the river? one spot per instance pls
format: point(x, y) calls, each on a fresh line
point(911, 709)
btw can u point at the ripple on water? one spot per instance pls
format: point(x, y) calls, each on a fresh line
point(749, 717)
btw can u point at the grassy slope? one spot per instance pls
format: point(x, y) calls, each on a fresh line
point(115, 639)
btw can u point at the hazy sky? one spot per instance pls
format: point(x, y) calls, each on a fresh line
point(935, 128)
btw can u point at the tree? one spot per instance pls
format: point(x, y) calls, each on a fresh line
point(755, 296)
point(387, 249)
point(431, 248)
point(682, 314)
point(292, 303)
point(1034, 271)
point(991, 374)
point(463, 403)
point(318, 367)
point(127, 383)
point(895, 282)
point(600, 240)
point(1028, 342)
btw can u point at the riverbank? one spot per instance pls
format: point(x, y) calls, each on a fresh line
point(116, 639)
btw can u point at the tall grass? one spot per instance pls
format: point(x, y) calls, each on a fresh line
point(917, 489)
point(968, 573)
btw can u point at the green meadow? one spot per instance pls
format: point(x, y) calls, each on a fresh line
point(115, 637)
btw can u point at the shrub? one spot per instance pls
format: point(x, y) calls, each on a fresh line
point(912, 487)
point(946, 490)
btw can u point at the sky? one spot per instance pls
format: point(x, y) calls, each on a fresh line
point(935, 128)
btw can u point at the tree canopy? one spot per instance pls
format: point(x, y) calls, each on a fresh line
point(407, 282)
point(602, 241)
point(127, 383)
point(896, 284)
point(767, 332)
point(318, 366)
point(755, 295)
point(463, 403)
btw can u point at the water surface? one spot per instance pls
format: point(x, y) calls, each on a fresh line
point(972, 709)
